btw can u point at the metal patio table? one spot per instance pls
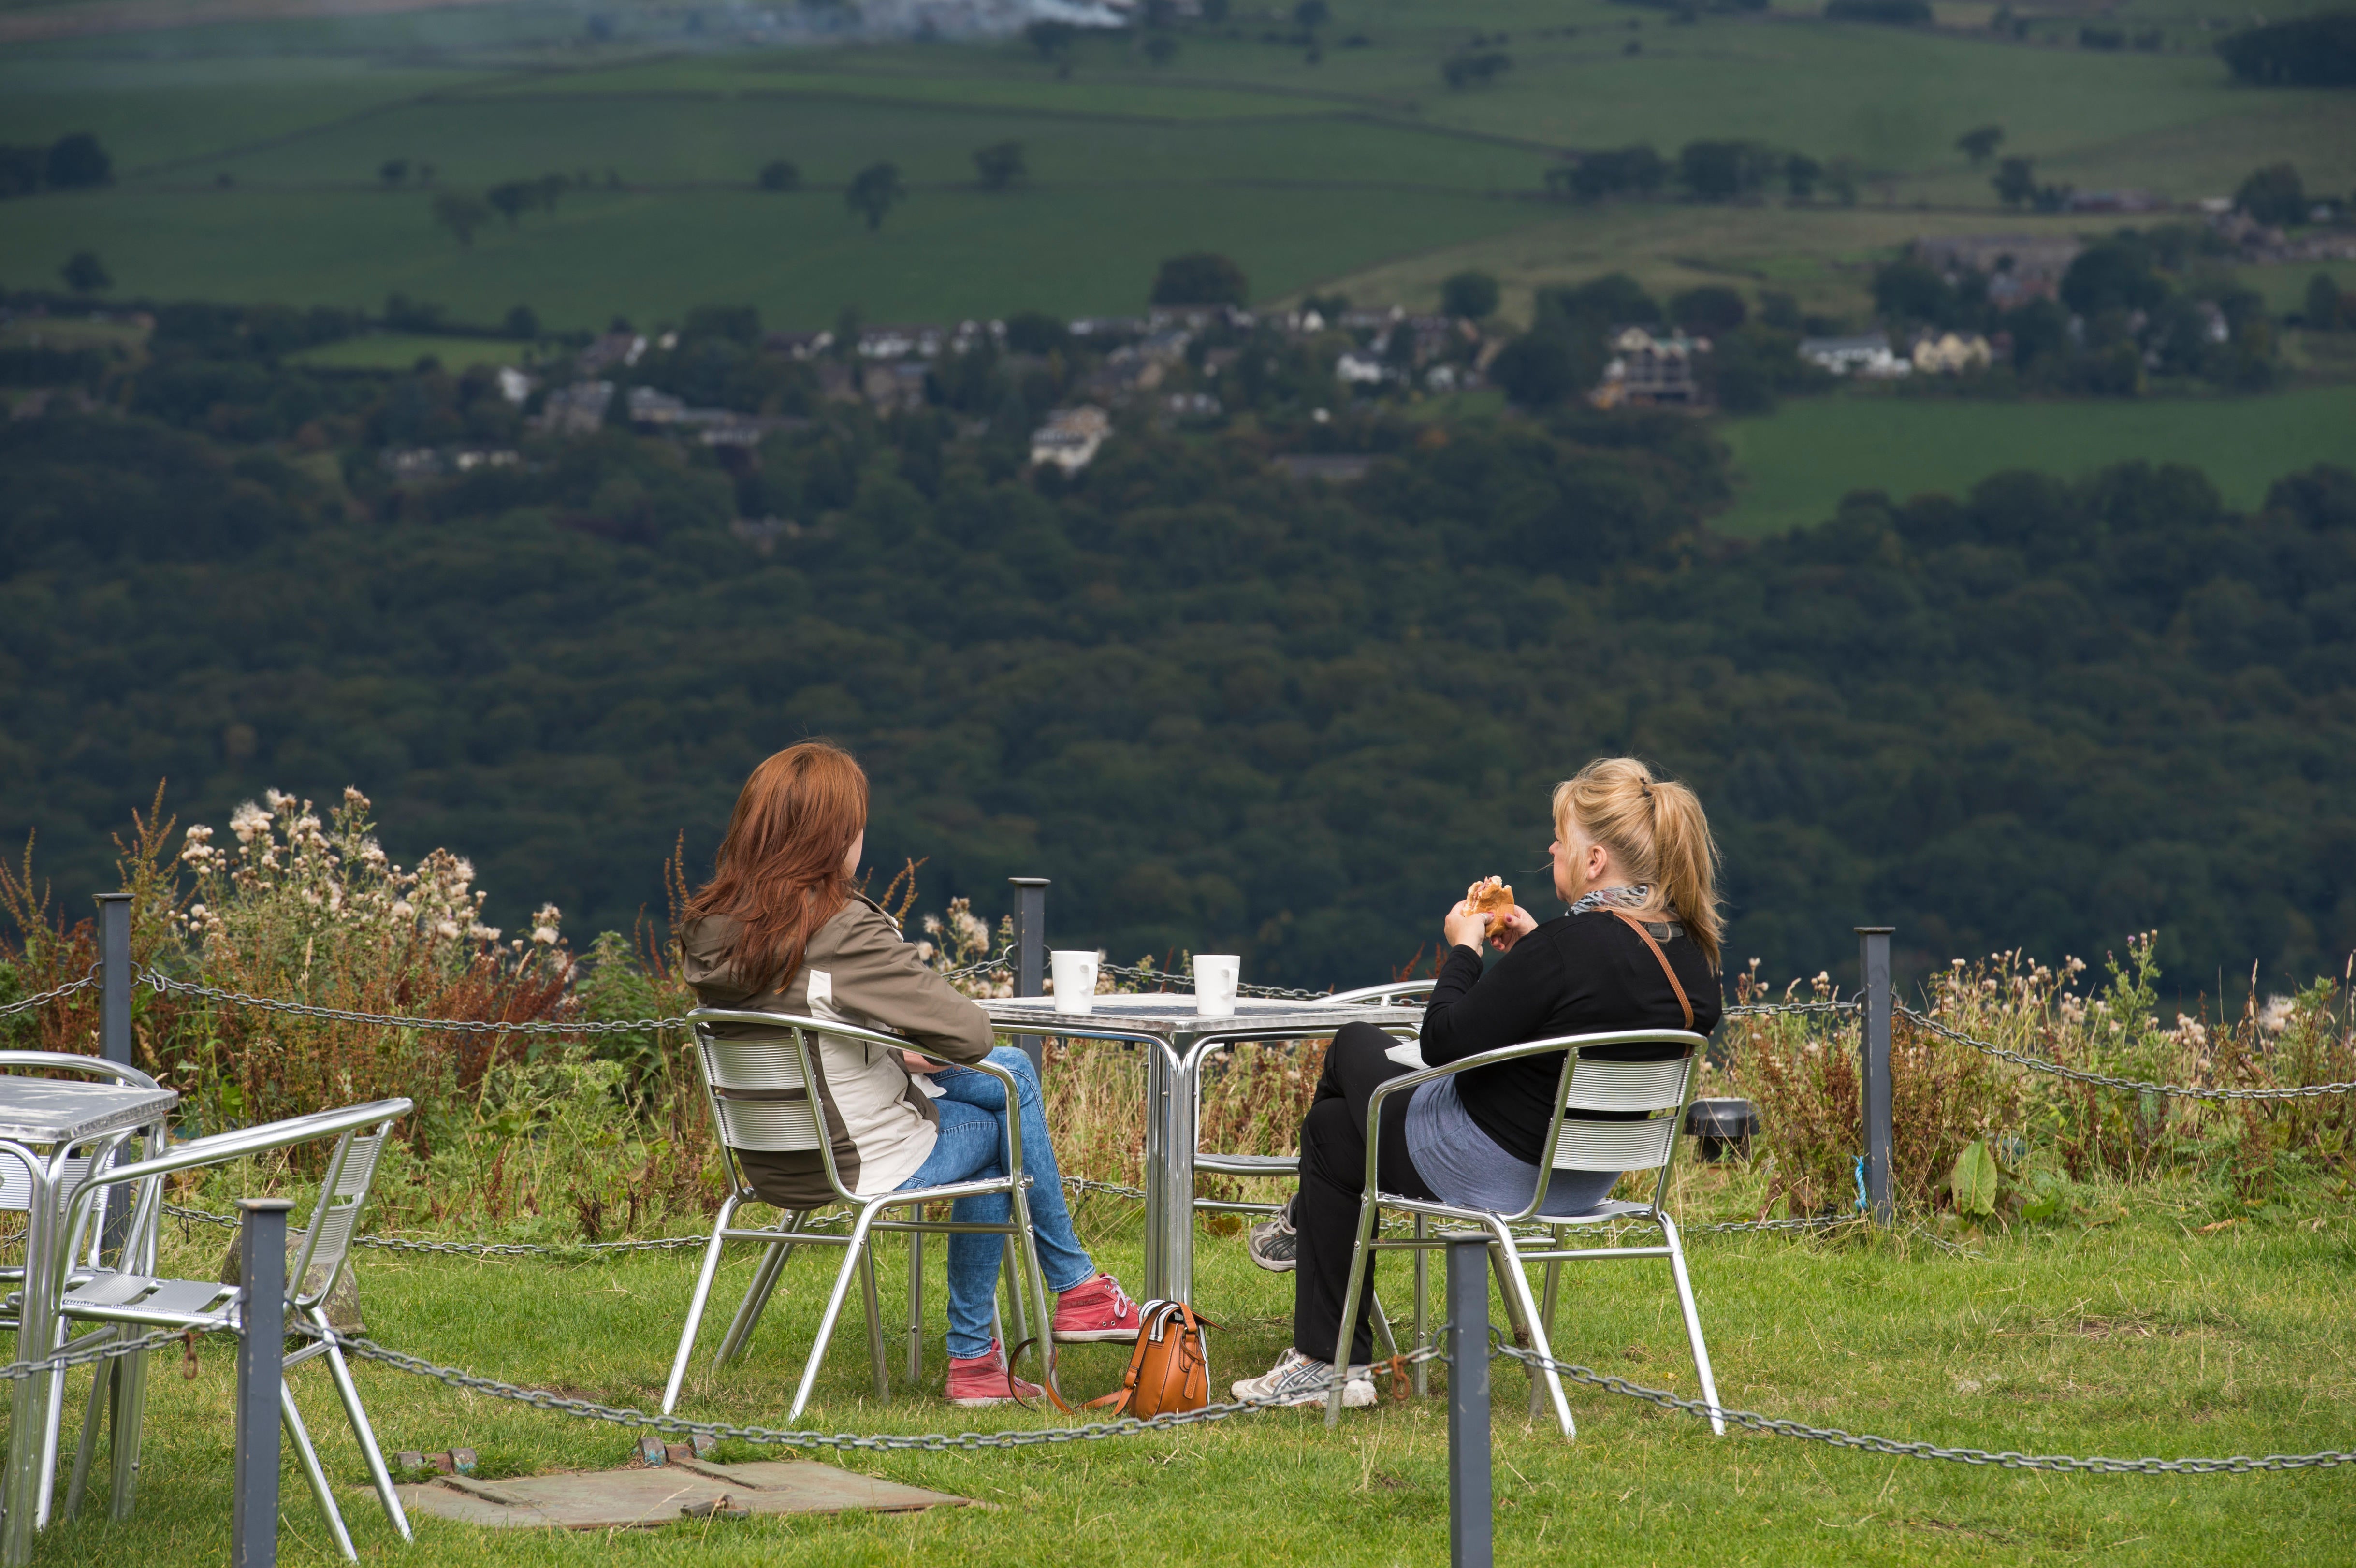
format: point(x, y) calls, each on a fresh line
point(1178, 1040)
point(62, 1117)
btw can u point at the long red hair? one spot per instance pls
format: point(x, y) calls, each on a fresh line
point(779, 873)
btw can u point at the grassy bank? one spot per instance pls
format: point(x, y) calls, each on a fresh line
point(2144, 1326)
point(1792, 466)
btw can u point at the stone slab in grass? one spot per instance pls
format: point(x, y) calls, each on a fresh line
point(667, 1494)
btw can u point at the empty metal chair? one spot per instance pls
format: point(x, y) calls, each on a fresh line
point(1646, 1100)
point(128, 1302)
point(757, 1088)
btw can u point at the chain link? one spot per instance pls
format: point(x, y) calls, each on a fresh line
point(27, 1004)
point(1775, 1427)
point(162, 984)
point(1770, 1009)
point(879, 1442)
point(16, 1371)
point(2040, 1064)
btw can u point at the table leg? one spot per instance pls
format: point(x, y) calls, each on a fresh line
point(1181, 1113)
point(35, 1341)
point(1158, 1073)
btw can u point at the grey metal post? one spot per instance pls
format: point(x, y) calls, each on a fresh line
point(261, 1370)
point(1873, 967)
point(1469, 1495)
point(114, 977)
point(1030, 950)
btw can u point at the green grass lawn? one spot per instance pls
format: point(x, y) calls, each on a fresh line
point(400, 350)
point(2128, 1331)
point(1792, 467)
point(1361, 165)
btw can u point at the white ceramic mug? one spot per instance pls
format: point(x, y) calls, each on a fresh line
point(1214, 984)
point(1075, 981)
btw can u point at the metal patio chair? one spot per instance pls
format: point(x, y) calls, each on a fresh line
point(123, 1303)
point(757, 1088)
point(1648, 1100)
point(16, 1196)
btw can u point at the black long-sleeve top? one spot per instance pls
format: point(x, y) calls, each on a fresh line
point(1577, 974)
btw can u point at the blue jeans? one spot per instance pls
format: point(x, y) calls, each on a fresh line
point(972, 1146)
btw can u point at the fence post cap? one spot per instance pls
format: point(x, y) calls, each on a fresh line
point(1029, 882)
point(1873, 930)
point(265, 1205)
point(112, 897)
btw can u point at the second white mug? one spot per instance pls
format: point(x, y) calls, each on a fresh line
point(1214, 984)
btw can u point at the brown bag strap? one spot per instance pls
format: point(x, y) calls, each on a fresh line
point(1675, 985)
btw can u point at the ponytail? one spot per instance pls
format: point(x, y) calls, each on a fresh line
point(1657, 830)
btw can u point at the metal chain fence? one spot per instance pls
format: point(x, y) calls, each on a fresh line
point(27, 1004)
point(106, 1350)
point(880, 1442)
point(2038, 1065)
point(1775, 1427)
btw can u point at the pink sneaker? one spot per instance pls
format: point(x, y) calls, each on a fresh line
point(975, 1381)
point(1096, 1310)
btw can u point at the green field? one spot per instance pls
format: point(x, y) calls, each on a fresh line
point(2132, 1331)
point(1792, 467)
point(400, 350)
point(247, 156)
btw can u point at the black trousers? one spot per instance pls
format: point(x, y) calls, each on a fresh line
point(1333, 1180)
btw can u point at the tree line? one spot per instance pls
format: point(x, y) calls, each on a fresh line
point(1221, 709)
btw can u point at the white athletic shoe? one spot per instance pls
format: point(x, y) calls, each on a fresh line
point(1297, 1380)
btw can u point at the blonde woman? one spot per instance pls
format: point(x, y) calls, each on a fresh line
point(1630, 850)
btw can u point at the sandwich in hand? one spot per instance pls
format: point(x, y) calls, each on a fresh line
point(1490, 897)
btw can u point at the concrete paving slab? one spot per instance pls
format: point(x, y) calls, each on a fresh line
point(640, 1498)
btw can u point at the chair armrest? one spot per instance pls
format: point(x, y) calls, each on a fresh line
point(222, 1148)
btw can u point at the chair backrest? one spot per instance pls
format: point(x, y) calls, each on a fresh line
point(327, 1240)
point(759, 1090)
point(1646, 1101)
point(1403, 991)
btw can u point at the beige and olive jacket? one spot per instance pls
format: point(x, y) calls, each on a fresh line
point(855, 970)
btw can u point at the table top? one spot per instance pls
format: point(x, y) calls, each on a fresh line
point(65, 1110)
point(1171, 1013)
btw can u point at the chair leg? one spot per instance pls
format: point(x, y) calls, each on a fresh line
point(851, 1252)
point(774, 1258)
point(102, 1384)
point(1515, 1282)
point(1361, 1264)
point(876, 1356)
point(124, 1428)
point(1383, 1335)
point(916, 1298)
point(1033, 1280)
point(695, 1305)
point(1693, 1325)
point(293, 1419)
point(363, 1433)
point(1422, 1307)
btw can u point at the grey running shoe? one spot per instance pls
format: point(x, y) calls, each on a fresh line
point(1273, 1244)
point(1297, 1380)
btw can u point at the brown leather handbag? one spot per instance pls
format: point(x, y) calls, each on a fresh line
point(1170, 1371)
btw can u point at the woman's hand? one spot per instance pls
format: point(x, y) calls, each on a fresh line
point(1462, 927)
point(1511, 927)
point(921, 1063)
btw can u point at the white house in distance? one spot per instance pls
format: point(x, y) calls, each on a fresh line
point(1868, 354)
point(1070, 438)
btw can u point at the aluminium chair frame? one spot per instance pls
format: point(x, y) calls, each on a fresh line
point(222, 1311)
point(799, 1034)
point(1531, 1322)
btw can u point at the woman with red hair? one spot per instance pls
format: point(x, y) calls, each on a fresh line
point(782, 927)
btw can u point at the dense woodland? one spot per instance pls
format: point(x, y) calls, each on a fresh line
point(1220, 708)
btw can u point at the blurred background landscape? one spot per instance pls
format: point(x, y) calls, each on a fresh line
point(1231, 459)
